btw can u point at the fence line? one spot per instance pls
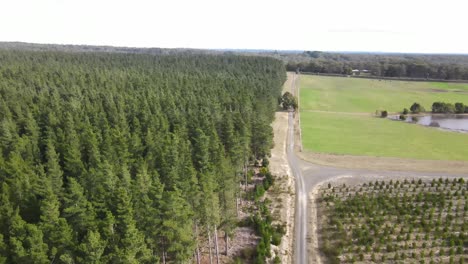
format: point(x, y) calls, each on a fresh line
point(385, 78)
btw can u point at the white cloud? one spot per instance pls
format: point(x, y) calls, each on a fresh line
point(365, 25)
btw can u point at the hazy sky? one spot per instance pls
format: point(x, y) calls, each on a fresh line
point(343, 25)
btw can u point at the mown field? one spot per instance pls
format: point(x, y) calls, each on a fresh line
point(408, 221)
point(336, 117)
point(365, 95)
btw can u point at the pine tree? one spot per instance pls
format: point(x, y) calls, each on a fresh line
point(92, 248)
point(26, 242)
point(54, 171)
point(3, 251)
point(7, 136)
point(22, 180)
point(78, 210)
point(91, 153)
point(147, 193)
point(6, 208)
point(130, 246)
point(57, 234)
point(71, 149)
point(30, 135)
point(176, 239)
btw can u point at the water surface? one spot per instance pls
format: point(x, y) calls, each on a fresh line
point(457, 123)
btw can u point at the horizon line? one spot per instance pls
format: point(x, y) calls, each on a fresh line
point(241, 49)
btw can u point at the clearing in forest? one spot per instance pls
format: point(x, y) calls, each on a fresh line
point(409, 221)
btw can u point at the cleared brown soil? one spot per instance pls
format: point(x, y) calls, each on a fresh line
point(385, 163)
point(437, 245)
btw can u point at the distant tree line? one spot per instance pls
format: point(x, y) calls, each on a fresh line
point(439, 108)
point(448, 108)
point(127, 158)
point(432, 66)
point(446, 67)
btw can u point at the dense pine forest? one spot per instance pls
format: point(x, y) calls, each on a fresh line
point(393, 65)
point(126, 158)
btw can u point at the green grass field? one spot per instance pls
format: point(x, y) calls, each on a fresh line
point(366, 95)
point(341, 131)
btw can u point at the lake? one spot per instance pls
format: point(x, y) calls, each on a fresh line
point(457, 123)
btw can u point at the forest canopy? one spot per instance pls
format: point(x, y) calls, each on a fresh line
point(430, 66)
point(126, 158)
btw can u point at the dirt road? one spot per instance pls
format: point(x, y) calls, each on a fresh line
point(301, 254)
point(309, 176)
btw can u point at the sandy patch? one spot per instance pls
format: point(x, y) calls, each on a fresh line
point(343, 113)
point(282, 192)
point(385, 163)
point(315, 256)
point(287, 87)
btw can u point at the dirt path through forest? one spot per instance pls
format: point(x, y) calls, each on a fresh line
point(282, 194)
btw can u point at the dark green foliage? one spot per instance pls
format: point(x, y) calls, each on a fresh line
point(3, 250)
point(405, 111)
point(460, 108)
point(26, 242)
point(384, 114)
point(113, 158)
point(441, 107)
point(288, 101)
point(277, 260)
point(447, 108)
point(265, 184)
point(416, 108)
point(262, 220)
point(419, 66)
point(268, 181)
point(92, 248)
point(259, 191)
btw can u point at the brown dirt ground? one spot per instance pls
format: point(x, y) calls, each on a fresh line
point(318, 220)
point(313, 236)
point(282, 193)
point(385, 163)
point(288, 84)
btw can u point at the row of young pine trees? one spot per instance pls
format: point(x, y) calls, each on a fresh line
point(125, 158)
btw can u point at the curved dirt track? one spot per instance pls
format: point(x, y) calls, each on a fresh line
point(309, 176)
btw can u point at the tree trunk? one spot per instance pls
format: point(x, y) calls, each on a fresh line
point(198, 246)
point(245, 175)
point(216, 244)
point(237, 204)
point(164, 257)
point(226, 239)
point(237, 194)
point(209, 245)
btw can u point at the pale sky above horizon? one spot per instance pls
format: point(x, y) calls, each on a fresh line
point(328, 25)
